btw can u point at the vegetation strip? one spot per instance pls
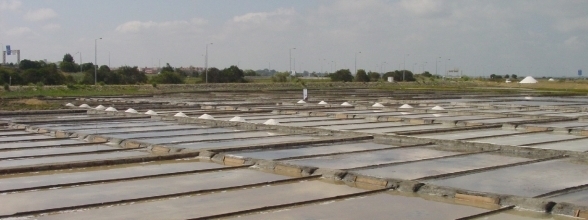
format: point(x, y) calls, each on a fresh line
point(124, 179)
point(187, 193)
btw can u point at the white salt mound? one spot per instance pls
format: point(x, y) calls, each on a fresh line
point(131, 110)
point(69, 105)
point(378, 105)
point(301, 102)
point(271, 122)
point(551, 80)
point(405, 106)
point(206, 116)
point(110, 109)
point(84, 106)
point(528, 98)
point(151, 112)
point(100, 107)
point(322, 103)
point(180, 114)
point(438, 108)
point(237, 118)
point(528, 79)
point(346, 104)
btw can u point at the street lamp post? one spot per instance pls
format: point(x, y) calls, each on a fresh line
point(206, 62)
point(356, 62)
point(436, 62)
point(381, 66)
point(290, 50)
point(96, 60)
point(424, 64)
point(446, 67)
point(404, 67)
point(413, 67)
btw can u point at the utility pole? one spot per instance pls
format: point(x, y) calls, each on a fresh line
point(404, 67)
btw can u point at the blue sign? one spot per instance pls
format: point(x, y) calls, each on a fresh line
point(7, 49)
point(579, 72)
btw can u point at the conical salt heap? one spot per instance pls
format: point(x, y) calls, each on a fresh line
point(237, 118)
point(111, 109)
point(271, 122)
point(100, 107)
point(206, 116)
point(180, 114)
point(84, 106)
point(69, 105)
point(405, 106)
point(151, 112)
point(346, 104)
point(528, 97)
point(378, 105)
point(131, 110)
point(301, 102)
point(322, 103)
point(437, 108)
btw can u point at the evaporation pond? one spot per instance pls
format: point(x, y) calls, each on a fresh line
point(201, 206)
point(440, 166)
point(522, 139)
point(322, 123)
point(353, 160)
point(133, 189)
point(242, 142)
point(377, 206)
point(401, 128)
point(467, 134)
point(580, 145)
point(97, 125)
point(135, 129)
point(299, 119)
point(364, 126)
point(522, 215)
point(24, 137)
point(163, 133)
point(525, 180)
point(8, 133)
point(329, 149)
point(45, 143)
point(54, 150)
point(48, 178)
point(71, 158)
point(231, 135)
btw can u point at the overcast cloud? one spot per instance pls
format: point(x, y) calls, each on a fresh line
point(523, 37)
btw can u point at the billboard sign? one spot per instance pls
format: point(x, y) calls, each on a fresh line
point(579, 72)
point(305, 95)
point(7, 49)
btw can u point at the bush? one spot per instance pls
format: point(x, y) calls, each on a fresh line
point(341, 75)
point(280, 77)
point(6, 87)
point(361, 76)
point(167, 78)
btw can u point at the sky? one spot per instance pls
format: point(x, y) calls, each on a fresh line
point(477, 37)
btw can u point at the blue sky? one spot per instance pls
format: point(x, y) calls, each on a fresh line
point(480, 37)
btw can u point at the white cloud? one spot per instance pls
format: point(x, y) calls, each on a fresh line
point(574, 24)
point(12, 5)
point(574, 42)
point(263, 16)
point(138, 26)
point(40, 14)
point(19, 31)
point(52, 26)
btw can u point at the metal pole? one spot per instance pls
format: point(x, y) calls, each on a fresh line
point(290, 50)
point(404, 67)
point(108, 59)
point(356, 62)
point(436, 62)
point(96, 60)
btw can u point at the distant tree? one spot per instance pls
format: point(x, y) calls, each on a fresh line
point(493, 76)
point(427, 74)
point(167, 77)
point(213, 73)
point(48, 75)
point(67, 64)
point(374, 76)
point(28, 64)
point(506, 76)
point(514, 76)
point(341, 75)
point(250, 73)
point(361, 76)
point(167, 68)
point(280, 77)
point(399, 74)
point(131, 75)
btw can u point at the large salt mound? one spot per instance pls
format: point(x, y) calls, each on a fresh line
point(69, 105)
point(180, 114)
point(110, 109)
point(84, 106)
point(100, 107)
point(206, 116)
point(528, 79)
point(346, 104)
point(438, 108)
point(301, 102)
point(151, 112)
point(131, 110)
point(405, 106)
point(271, 122)
point(237, 118)
point(322, 103)
point(378, 105)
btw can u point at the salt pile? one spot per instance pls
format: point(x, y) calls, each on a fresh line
point(437, 108)
point(301, 102)
point(131, 110)
point(84, 106)
point(405, 106)
point(378, 105)
point(110, 109)
point(151, 112)
point(180, 114)
point(206, 116)
point(69, 105)
point(100, 107)
point(322, 103)
point(237, 118)
point(271, 122)
point(346, 104)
